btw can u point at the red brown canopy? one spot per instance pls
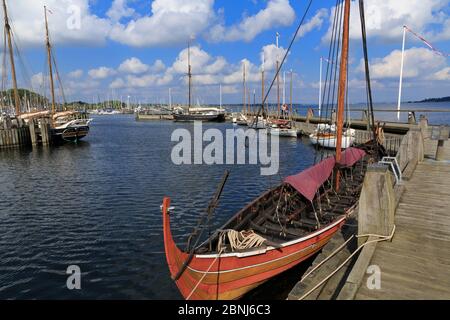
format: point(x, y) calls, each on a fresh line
point(309, 181)
point(350, 156)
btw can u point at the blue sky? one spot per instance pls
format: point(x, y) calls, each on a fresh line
point(138, 47)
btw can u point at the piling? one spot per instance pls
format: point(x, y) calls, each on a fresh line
point(44, 126)
point(32, 132)
point(376, 203)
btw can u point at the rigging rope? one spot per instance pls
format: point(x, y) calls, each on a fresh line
point(280, 66)
point(204, 275)
point(427, 43)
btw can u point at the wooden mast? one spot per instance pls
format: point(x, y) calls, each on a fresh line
point(342, 86)
point(189, 76)
point(278, 79)
point(50, 66)
point(11, 57)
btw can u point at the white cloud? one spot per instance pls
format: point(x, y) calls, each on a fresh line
point(28, 21)
point(158, 66)
point(76, 74)
point(201, 62)
point(133, 65)
point(119, 10)
point(271, 54)
point(117, 84)
point(278, 13)
point(441, 75)
point(384, 19)
point(170, 22)
point(418, 63)
point(315, 22)
point(37, 80)
point(230, 89)
point(101, 73)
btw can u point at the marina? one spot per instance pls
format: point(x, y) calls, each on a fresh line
point(184, 198)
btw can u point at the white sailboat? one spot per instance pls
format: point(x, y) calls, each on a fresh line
point(325, 135)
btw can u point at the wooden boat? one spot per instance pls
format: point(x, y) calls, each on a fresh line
point(283, 128)
point(282, 227)
point(285, 224)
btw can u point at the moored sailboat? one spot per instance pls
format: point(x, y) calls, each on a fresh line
point(326, 137)
point(69, 125)
point(200, 113)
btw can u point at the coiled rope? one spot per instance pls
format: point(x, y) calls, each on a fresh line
point(240, 240)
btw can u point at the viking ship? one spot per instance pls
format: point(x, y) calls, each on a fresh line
point(282, 227)
point(278, 230)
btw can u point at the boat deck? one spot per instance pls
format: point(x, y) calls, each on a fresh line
point(416, 264)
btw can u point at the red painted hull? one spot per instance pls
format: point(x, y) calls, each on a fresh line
point(231, 275)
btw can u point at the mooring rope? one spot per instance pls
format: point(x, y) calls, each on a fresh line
point(380, 239)
point(326, 259)
point(204, 275)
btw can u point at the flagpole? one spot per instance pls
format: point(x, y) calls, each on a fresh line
point(401, 75)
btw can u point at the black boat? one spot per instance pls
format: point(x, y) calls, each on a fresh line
point(207, 114)
point(201, 114)
point(70, 126)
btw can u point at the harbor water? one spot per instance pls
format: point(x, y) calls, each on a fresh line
point(96, 204)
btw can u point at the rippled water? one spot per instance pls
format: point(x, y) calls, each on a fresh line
point(96, 205)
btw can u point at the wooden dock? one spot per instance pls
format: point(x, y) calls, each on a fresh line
point(416, 264)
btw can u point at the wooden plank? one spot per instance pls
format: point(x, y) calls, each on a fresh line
point(415, 265)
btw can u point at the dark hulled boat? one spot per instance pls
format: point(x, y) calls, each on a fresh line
point(200, 114)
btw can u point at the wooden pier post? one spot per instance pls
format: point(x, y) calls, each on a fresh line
point(416, 145)
point(32, 128)
point(377, 203)
point(45, 131)
point(440, 134)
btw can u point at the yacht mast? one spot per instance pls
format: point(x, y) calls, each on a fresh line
point(11, 57)
point(49, 58)
point(342, 86)
point(189, 75)
point(262, 84)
